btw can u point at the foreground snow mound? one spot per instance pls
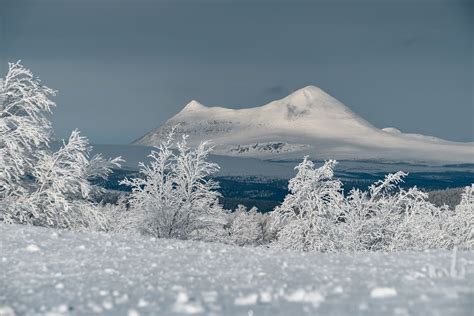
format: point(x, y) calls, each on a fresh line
point(51, 272)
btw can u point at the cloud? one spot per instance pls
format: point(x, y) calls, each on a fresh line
point(276, 91)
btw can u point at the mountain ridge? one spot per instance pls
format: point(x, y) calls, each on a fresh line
point(308, 121)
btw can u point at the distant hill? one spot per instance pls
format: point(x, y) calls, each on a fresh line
point(307, 122)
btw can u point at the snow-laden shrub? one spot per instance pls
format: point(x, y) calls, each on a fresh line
point(245, 227)
point(461, 224)
point(37, 185)
point(175, 198)
point(391, 218)
point(309, 217)
point(316, 215)
point(120, 217)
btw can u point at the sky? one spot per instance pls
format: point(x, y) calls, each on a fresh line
point(123, 67)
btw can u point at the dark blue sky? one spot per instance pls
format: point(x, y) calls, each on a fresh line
point(124, 67)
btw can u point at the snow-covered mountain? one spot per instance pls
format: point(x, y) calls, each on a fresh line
point(307, 122)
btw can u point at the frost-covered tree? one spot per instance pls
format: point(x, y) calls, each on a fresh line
point(37, 185)
point(24, 127)
point(461, 224)
point(412, 222)
point(389, 218)
point(309, 216)
point(467, 199)
point(63, 181)
point(316, 216)
point(371, 217)
point(175, 198)
point(120, 217)
point(245, 227)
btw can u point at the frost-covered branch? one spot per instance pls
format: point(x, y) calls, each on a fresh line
point(24, 128)
point(316, 215)
point(37, 185)
point(175, 197)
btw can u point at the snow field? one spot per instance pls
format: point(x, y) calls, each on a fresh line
point(53, 272)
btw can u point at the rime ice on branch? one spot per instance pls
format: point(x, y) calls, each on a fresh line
point(39, 186)
point(316, 215)
point(175, 197)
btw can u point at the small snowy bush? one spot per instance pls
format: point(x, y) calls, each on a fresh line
point(461, 224)
point(245, 227)
point(37, 185)
point(308, 218)
point(120, 218)
point(175, 197)
point(316, 215)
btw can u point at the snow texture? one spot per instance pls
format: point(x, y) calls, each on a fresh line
point(307, 122)
point(71, 273)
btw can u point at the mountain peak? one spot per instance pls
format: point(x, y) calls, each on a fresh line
point(194, 106)
point(309, 96)
point(309, 91)
point(312, 103)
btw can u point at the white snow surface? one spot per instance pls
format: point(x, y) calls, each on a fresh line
point(109, 274)
point(307, 122)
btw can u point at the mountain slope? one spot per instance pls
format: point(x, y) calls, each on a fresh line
point(307, 122)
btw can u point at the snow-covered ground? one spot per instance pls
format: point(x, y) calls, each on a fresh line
point(51, 272)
